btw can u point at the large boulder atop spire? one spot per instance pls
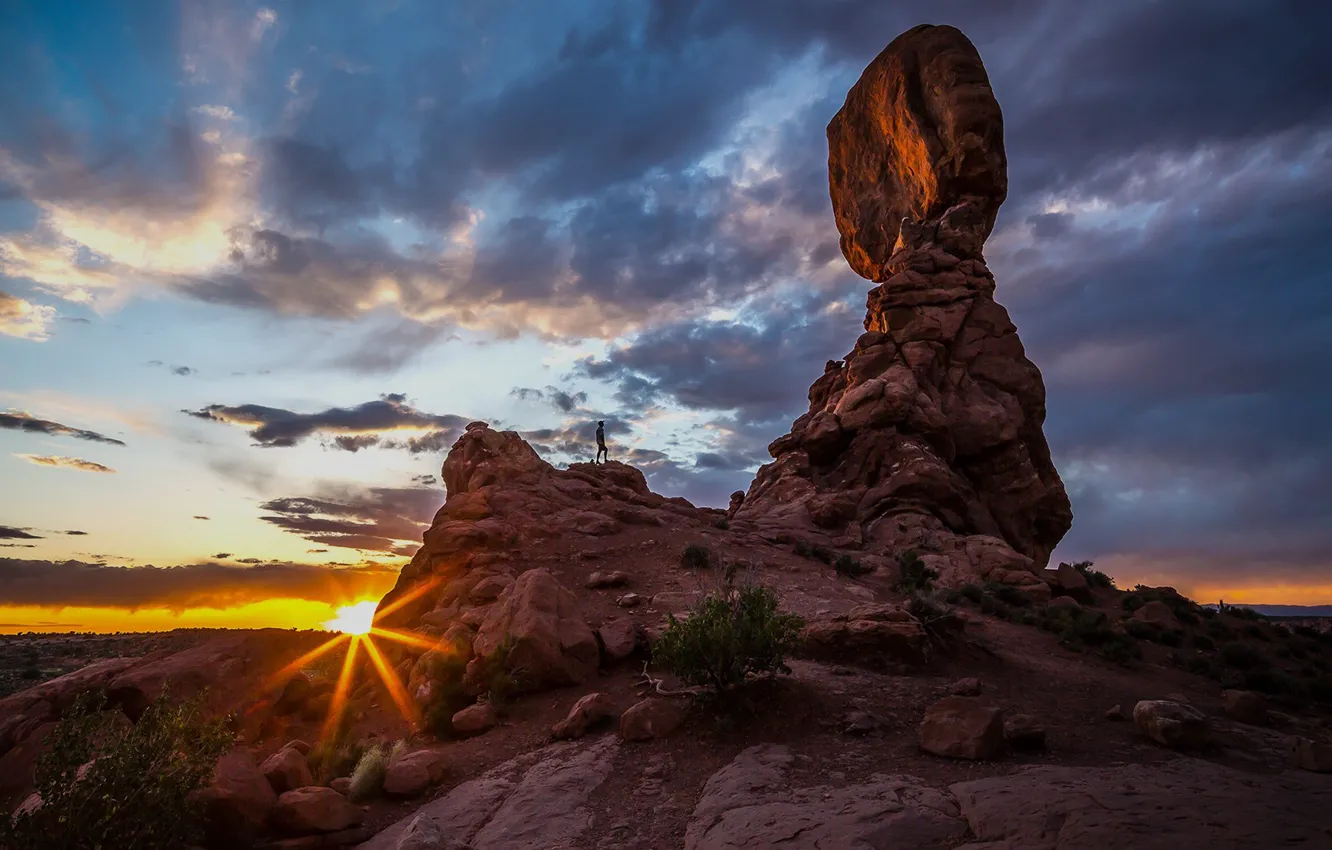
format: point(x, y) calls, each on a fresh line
point(920, 132)
point(927, 435)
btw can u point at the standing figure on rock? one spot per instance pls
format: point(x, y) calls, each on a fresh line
point(601, 441)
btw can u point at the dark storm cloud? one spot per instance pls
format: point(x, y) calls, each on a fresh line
point(81, 584)
point(21, 421)
point(270, 426)
point(562, 400)
point(8, 532)
point(381, 519)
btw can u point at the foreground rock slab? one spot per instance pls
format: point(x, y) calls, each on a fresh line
point(537, 800)
point(963, 728)
point(1166, 806)
point(313, 809)
point(748, 804)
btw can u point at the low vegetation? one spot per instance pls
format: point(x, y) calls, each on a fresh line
point(333, 758)
point(696, 557)
point(732, 633)
point(847, 566)
point(106, 784)
point(367, 780)
point(913, 576)
point(1095, 578)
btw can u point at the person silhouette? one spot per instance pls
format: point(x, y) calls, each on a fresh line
point(601, 441)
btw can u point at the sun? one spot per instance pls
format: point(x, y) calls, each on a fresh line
point(354, 619)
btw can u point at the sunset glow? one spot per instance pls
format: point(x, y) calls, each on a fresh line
point(353, 619)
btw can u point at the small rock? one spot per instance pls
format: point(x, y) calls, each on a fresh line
point(1246, 707)
point(475, 719)
point(619, 639)
point(1115, 712)
point(585, 713)
point(842, 671)
point(962, 727)
point(861, 723)
point(1307, 754)
point(299, 746)
point(287, 770)
point(606, 579)
point(629, 600)
point(342, 785)
point(489, 589)
point(651, 718)
point(421, 834)
point(1172, 724)
point(409, 774)
point(30, 806)
point(313, 809)
point(1024, 732)
point(970, 687)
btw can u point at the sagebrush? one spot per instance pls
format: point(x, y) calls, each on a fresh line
point(913, 576)
point(136, 783)
point(367, 780)
point(732, 633)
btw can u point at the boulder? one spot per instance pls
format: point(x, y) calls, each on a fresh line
point(586, 713)
point(963, 728)
point(1115, 713)
point(544, 628)
point(629, 600)
point(488, 589)
point(1024, 732)
point(651, 718)
point(600, 580)
point(408, 774)
point(342, 785)
point(475, 719)
point(1245, 706)
point(1064, 603)
point(1157, 613)
point(313, 809)
point(619, 639)
point(302, 747)
point(1172, 724)
point(1307, 754)
point(286, 770)
point(873, 643)
point(237, 802)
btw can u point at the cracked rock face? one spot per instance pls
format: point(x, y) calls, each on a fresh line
point(928, 434)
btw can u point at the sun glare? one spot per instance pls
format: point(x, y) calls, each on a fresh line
point(354, 619)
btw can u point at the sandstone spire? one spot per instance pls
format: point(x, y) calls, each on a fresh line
point(927, 436)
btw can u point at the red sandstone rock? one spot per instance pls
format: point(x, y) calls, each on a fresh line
point(550, 640)
point(927, 435)
point(963, 728)
point(313, 809)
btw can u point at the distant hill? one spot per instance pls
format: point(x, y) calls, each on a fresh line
point(1286, 610)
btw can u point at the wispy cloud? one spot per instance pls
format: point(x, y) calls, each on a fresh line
point(21, 421)
point(66, 462)
point(25, 320)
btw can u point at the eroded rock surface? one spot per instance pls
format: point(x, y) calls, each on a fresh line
point(928, 434)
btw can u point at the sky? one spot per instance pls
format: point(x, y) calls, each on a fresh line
point(260, 262)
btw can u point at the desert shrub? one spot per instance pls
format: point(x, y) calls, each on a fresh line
point(938, 619)
point(973, 592)
point(993, 607)
point(822, 553)
point(1220, 630)
point(696, 556)
point(31, 672)
point(851, 568)
point(1090, 631)
point(731, 633)
point(445, 670)
point(802, 549)
point(136, 790)
point(367, 780)
point(1095, 578)
point(1140, 630)
point(1244, 613)
point(1257, 632)
point(1008, 594)
point(1306, 632)
point(333, 758)
point(1203, 642)
point(498, 677)
point(722, 523)
point(912, 574)
point(1243, 656)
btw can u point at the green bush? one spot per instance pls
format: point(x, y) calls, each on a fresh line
point(723, 523)
point(499, 679)
point(940, 621)
point(1140, 630)
point(333, 758)
point(974, 592)
point(1008, 594)
point(1244, 657)
point(851, 568)
point(731, 633)
point(696, 556)
point(802, 549)
point(1084, 630)
point(367, 780)
point(1244, 613)
point(445, 670)
point(1203, 642)
point(822, 553)
point(1257, 632)
point(1095, 578)
point(136, 791)
point(912, 574)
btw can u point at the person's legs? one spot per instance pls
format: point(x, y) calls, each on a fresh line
point(601, 450)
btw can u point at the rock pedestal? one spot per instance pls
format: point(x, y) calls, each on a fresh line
point(927, 435)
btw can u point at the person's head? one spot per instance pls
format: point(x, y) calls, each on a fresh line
point(601, 422)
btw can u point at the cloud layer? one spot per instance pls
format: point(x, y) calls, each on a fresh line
point(66, 462)
point(20, 421)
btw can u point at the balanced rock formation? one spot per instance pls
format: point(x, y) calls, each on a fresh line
point(927, 435)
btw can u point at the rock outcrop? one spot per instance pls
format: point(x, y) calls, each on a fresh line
point(927, 435)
